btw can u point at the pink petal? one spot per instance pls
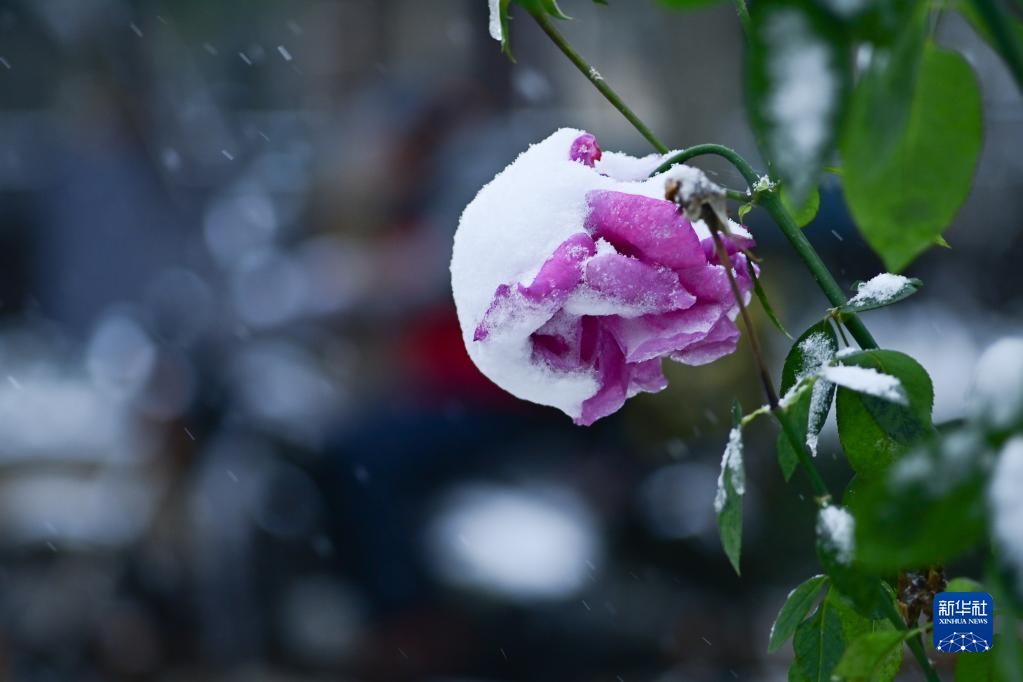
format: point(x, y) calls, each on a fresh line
point(585, 150)
point(619, 381)
point(561, 272)
point(500, 297)
point(558, 276)
point(651, 336)
point(632, 282)
point(650, 229)
point(710, 283)
point(647, 377)
point(614, 383)
point(719, 342)
point(733, 244)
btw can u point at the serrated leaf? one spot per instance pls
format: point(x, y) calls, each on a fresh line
point(798, 78)
point(731, 488)
point(875, 432)
point(905, 198)
point(815, 347)
point(927, 508)
point(794, 610)
point(764, 302)
point(881, 291)
point(871, 656)
point(803, 213)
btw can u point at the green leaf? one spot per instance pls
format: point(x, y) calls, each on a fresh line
point(798, 78)
point(883, 98)
point(808, 413)
point(903, 195)
point(875, 432)
point(818, 643)
point(503, 6)
point(543, 7)
point(963, 585)
point(803, 213)
point(549, 7)
point(731, 488)
point(871, 657)
point(794, 610)
point(867, 298)
point(927, 509)
point(764, 302)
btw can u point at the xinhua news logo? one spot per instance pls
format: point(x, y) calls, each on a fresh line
point(964, 622)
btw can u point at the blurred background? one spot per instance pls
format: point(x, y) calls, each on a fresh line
point(240, 438)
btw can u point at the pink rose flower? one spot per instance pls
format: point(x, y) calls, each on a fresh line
point(573, 277)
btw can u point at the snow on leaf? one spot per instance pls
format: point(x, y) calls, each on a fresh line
point(732, 467)
point(731, 488)
point(835, 527)
point(496, 31)
point(868, 381)
point(818, 350)
point(882, 290)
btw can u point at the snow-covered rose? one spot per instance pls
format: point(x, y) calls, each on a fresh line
point(573, 278)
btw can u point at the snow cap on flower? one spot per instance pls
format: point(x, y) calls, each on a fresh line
point(573, 277)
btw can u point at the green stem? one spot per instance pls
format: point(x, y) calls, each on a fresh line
point(820, 489)
point(804, 249)
point(598, 81)
point(999, 24)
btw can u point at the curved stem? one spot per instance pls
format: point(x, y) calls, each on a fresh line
point(727, 153)
point(804, 249)
point(598, 81)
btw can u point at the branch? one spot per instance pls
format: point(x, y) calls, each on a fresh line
point(598, 81)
